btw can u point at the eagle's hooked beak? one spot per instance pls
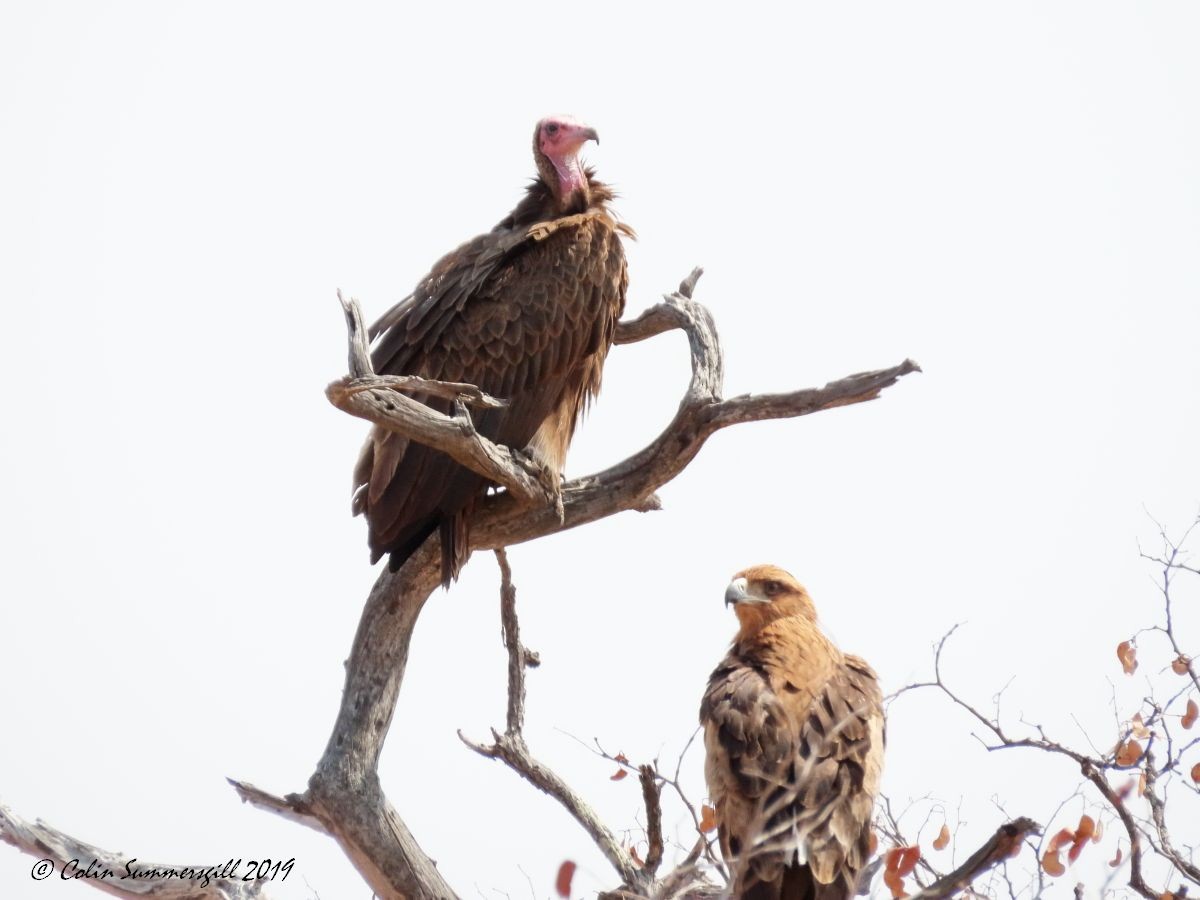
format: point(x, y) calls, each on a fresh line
point(737, 593)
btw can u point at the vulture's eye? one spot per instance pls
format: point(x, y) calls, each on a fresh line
point(552, 128)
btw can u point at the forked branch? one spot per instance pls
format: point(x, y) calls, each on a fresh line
point(344, 797)
point(380, 399)
point(510, 747)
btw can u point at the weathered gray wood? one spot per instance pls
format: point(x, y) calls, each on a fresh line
point(511, 748)
point(344, 797)
point(378, 399)
point(104, 870)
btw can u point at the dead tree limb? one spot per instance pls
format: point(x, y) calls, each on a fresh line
point(61, 856)
point(1005, 843)
point(378, 399)
point(344, 797)
point(652, 797)
point(511, 748)
point(637, 880)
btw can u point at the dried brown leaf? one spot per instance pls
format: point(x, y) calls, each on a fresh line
point(1052, 865)
point(1116, 860)
point(1196, 773)
point(708, 819)
point(1180, 665)
point(562, 883)
point(1129, 753)
point(1142, 784)
point(1064, 837)
point(1127, 654)
point(1098, 832)
point(623, 761)
point(1086, 829)
point(1138, 727)
point(908, 861)
point(895, 884)
point(1189, 717)
point(943, 839)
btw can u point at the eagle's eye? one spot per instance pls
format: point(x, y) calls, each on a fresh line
point(772, 588)
point(552, 128)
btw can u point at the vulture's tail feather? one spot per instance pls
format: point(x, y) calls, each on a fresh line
point(409, 544)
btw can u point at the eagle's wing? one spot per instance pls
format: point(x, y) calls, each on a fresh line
point(748, 743)
point(838, 765)
point(793, 773)
point(526, 315)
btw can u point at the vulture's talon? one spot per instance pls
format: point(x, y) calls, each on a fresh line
point(551, 481)
point(463, 416)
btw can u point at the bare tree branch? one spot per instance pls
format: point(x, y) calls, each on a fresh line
point(511, 748)
point(1005, 843)
point(1149, 839)
point(705, 845)
point(652, 797)
point(1159, 814)
point(344, 795)
point(62, 856)
point(637, 880)
point(377, 399)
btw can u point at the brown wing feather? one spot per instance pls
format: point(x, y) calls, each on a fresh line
point(748, 739)
point(839, 760)
point(524, 315)
point(793, 766)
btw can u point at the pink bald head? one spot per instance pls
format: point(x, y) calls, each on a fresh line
point(556, 141)
point(560, 136)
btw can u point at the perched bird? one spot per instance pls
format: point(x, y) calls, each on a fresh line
point(525, 312)
point(793, 734)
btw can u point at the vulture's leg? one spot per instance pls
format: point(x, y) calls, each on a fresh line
point(549, 476)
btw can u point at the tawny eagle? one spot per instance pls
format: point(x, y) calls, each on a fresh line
point(526, 312)
point(794, 735)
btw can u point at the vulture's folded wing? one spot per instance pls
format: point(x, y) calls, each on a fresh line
point(526, 317)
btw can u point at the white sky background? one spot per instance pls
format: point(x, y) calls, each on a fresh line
point(1008, 195)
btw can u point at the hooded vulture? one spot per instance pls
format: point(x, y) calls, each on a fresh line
point(793, 734)
point(526, 312)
